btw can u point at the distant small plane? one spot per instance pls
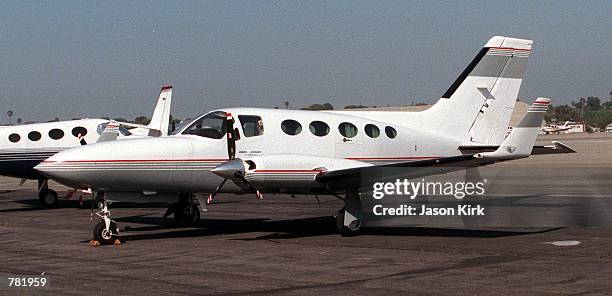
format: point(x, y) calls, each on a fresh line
point(252, 150)
point(24, 146)
point(554, 129)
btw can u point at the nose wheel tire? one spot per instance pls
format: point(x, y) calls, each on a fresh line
point(190, 215)
point(103, 236)
point(352, 229)
point(47, 198)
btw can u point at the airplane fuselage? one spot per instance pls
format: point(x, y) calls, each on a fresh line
point(312, 141)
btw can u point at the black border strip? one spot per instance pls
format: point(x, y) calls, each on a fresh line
point(451, 90)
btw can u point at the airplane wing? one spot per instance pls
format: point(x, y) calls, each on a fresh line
point(519, 144)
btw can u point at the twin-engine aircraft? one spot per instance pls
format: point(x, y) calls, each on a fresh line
point(259, 151)
point(22, 147)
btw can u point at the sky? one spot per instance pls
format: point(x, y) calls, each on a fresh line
point(106, 58)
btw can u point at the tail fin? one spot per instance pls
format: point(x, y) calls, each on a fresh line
point(161, 115)
point(478, 105)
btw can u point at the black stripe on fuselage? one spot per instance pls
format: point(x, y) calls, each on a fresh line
point(21, 164)
point(451, 90)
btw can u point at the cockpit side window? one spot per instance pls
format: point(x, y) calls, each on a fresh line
point(212, 125)
point(252, 125)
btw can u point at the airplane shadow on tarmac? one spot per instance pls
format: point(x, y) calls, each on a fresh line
point(287, 229)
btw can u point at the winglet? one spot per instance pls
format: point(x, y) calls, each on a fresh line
point(520, 141)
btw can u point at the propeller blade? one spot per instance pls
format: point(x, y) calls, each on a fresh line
point(210, 197)
point(240, 175)
point(231, 142)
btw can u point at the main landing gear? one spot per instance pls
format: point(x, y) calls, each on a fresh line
point(106, 231)
point(185, 211)
point(348, 219)
point(46, 196)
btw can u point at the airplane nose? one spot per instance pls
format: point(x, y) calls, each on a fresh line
point(72, 167)
point(56, 168)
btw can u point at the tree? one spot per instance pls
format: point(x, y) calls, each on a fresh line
point(593, 103)
point(10, 113)
point(120, 119)
point(318, 107)
point(564, 113)
point(142, 120)
point(286, 104)
point(590, 103)
point(19, 120)
point(355, 106)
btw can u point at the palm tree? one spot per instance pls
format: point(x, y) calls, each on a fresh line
point(19, 120)
point(10, 113)
point(286, 104)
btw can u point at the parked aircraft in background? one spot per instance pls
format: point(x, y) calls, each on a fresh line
point(556, 129)
point(24, 146)
point(242, 150)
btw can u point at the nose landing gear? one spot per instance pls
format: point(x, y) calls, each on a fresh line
point(106, 231)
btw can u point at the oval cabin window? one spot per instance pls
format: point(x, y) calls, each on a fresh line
point(319, 128)
point(372, 131)
point(56, 134)
point(34, 136)
point(14, 138)
point(291, 127)
point(348, 130)
point(79, 131)
point(391, 132)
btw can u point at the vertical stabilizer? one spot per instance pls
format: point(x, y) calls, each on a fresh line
point(161, 115)
point(478, 105)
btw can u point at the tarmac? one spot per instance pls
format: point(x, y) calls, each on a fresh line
point(285, 245)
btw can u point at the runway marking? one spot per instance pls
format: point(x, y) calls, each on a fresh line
point(567, 243)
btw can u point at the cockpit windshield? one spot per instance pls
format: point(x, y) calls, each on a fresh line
point(212, 125)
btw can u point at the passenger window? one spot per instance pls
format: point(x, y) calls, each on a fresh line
point(212, 125)
point(319, 128)
point(14, 138)
point(79, 131)
point(372, 131)
point(56, 134)
point(251, 125)
point(34, 136)
point(348, 130)
point(291, 127)
point(391, 132)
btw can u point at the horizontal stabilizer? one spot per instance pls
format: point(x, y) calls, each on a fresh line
point(555, 148)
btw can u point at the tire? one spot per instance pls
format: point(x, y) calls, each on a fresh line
point(47, 198)
point(343, 230)
point(100, 234)
point(188, 216)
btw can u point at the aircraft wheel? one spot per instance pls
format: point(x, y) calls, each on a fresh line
point(105, 237)
point(47, 198)
point(190, 215)
point(350, 230)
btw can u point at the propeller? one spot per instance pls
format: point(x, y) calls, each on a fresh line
point(234, 168)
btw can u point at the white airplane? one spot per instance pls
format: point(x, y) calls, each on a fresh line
point(556, 129)
point(242, 150)
point(24, 146)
